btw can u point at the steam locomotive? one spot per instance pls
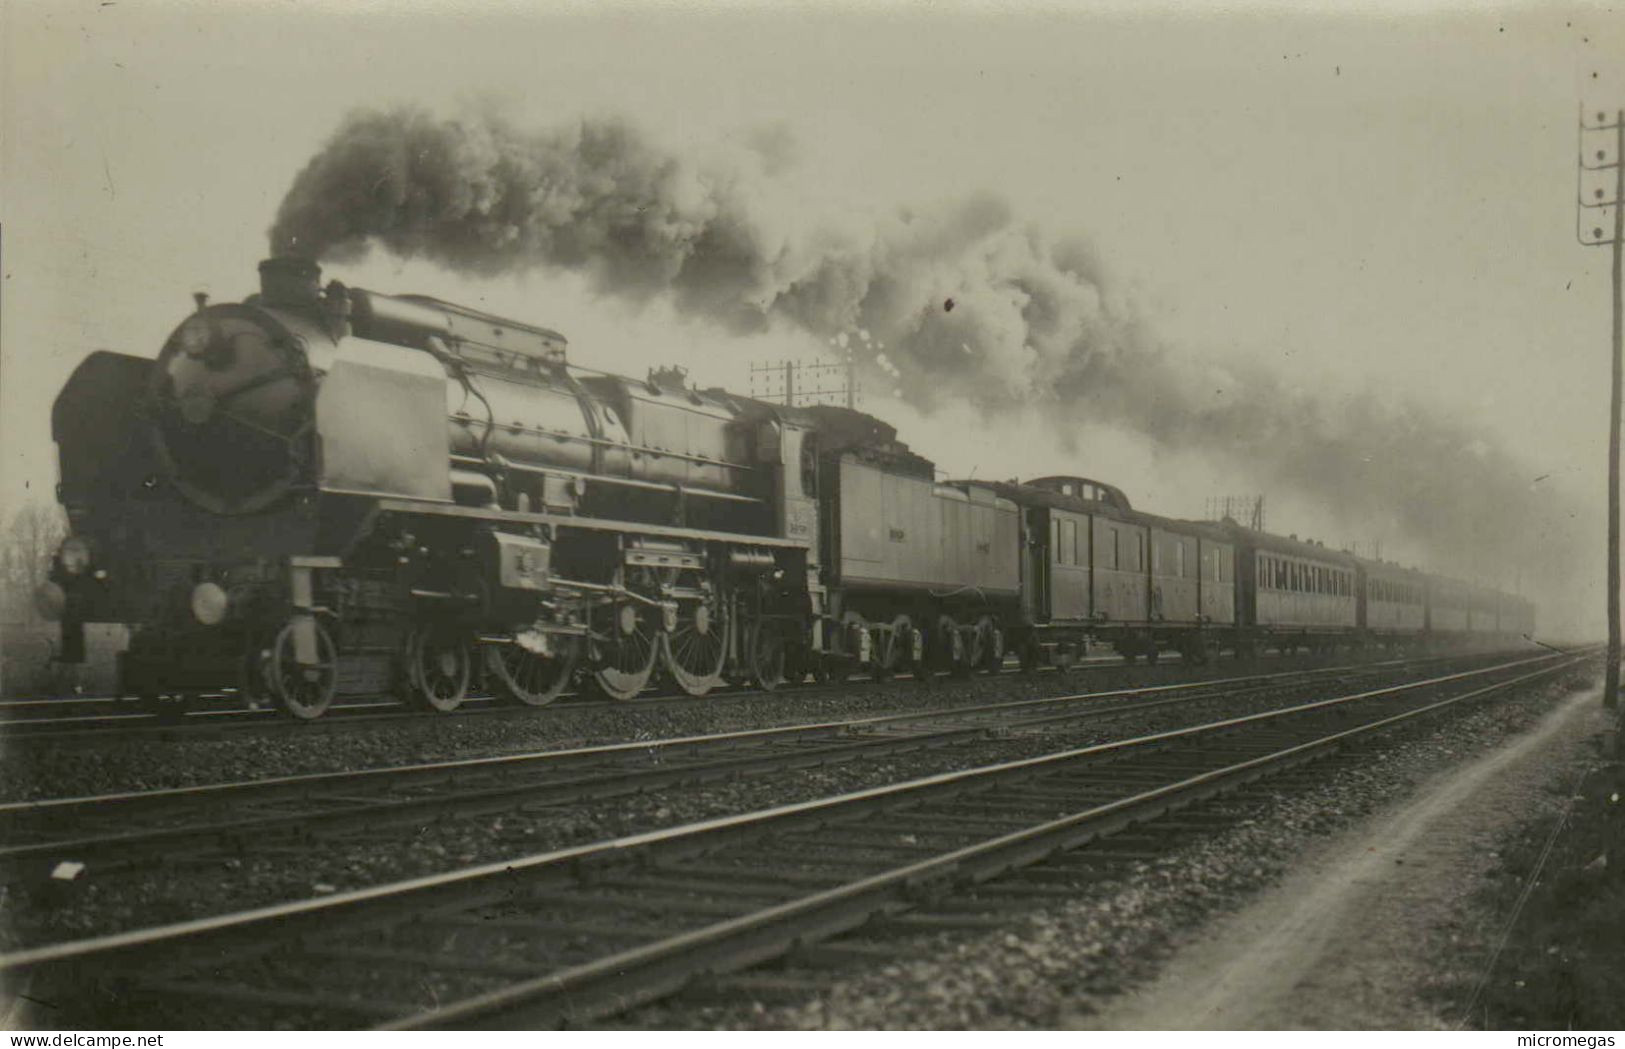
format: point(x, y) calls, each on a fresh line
point(320, 492)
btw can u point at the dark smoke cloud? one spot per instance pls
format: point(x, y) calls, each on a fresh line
point(1033, 324)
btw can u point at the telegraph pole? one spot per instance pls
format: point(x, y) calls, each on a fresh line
point(1608, 157)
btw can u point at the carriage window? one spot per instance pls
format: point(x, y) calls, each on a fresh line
point(1139, 551)
point(1112, 550)
point(1055, 539)
point(1069, 542)
point(1080, 546)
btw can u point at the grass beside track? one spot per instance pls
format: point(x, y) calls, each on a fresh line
point(1562, 966)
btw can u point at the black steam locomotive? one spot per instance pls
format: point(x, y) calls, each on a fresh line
point(320, 492)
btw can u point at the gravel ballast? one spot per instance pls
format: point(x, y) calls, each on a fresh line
point(189, 755)
point(1056, 966)
point(109, 899)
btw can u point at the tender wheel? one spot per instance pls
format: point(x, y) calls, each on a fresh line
point(304, 692)
point(899, 651)
point(764, 654)
point(1031, 656)
point(986, 650)
point(529, 678)
point(949, 652)
point(697, 647)
point(625, 644)
point(438, 666)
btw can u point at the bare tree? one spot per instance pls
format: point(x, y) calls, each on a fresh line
point(25, 558)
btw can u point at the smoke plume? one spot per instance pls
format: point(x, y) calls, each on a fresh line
point(960, 302)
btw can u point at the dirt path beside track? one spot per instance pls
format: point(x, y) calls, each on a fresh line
point(1370, 920)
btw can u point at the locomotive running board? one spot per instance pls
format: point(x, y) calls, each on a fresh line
point(599, 524)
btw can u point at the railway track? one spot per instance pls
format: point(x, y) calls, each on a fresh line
point(101, 716)
point(578, 934)
point(105, 717)
point(128, 828)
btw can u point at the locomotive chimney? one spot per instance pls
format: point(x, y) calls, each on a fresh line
point(290, 281)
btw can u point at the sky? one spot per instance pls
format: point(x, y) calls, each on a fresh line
point(1377, 202)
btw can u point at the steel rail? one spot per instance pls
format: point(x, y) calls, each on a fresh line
point(652, 970)
point(939, 727)
point(125, 723)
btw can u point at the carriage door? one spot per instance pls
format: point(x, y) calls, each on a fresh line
point(1039, 542)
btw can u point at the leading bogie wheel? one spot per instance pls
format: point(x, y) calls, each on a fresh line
point(253, 673)
point(439, 663)
point(305, 692)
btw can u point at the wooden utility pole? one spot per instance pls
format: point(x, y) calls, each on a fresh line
point(1611, 159)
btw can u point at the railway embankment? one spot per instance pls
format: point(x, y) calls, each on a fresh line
point(1399, 921)
point(1552, 911)
point(1364, 896)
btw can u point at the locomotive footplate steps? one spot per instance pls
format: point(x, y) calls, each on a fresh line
point(264, 948)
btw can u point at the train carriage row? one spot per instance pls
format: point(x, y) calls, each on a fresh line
point(313, 493)
point(1095, 570)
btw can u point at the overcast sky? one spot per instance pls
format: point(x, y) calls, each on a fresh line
point(1374, 201)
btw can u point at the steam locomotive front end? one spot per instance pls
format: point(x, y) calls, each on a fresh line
point(322, 478)
point(232, 399)
point(189, 480)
